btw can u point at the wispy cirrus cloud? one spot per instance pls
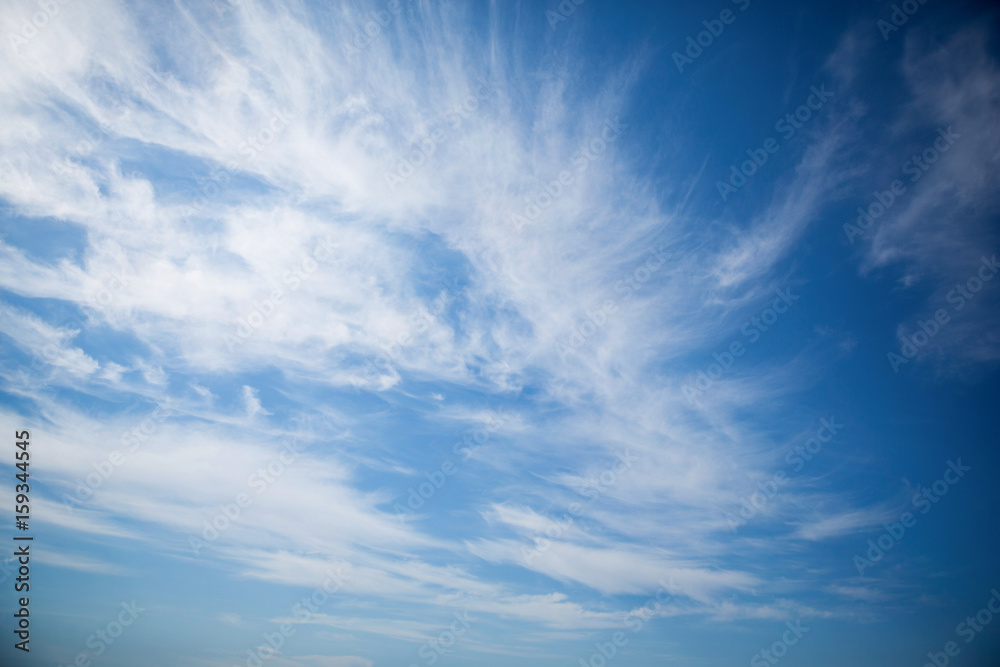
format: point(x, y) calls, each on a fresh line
point(186, 162)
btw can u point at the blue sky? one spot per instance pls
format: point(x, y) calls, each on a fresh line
point(415, 333)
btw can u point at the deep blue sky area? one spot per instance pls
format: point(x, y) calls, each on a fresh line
point(403, 332)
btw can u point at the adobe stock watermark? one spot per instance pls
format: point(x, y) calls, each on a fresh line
point(220, 178)
point(894, 532)
point(968, 629)
point(899, 16)
point(221, 5)
point(466, 446)
point(779, 649)
point(714, 28)
point(635, 620)
point(302, 612)
point(130, 441)
point(915, 167)
point(103, 638)
point(49, 9)
point(419, 322)
point(435, 647)
point(592, 490)
point(787, 125)
point(797, 458)
point(293, 279)
point(121, 108)
point(426, 146)
point(597, 318)
point(961, 295)
point(565, 9)
point(113, 285)
point(365, 34)
point(589, 152)
point(752, 329)
point(229, 513)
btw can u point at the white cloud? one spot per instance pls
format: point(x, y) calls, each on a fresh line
point(208, 294)
point(78, 562)
point(231, 619)
point(252, 402)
